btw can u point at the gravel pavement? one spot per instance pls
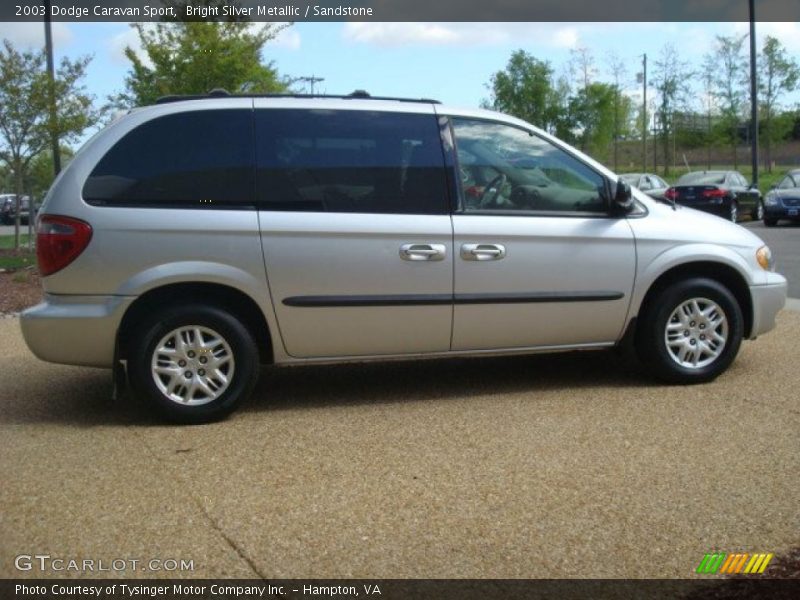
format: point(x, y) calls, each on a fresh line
point(568, 465)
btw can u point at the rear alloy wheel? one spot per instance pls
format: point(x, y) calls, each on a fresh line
point(758, 211)
point(733, 215)
point(193, 364)
point(690, 331)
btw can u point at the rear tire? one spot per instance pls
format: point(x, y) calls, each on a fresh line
point(193, 364)
point(690, 331)
point(758, 211)
point(733, 212)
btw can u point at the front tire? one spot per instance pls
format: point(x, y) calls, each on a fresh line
point(690, 331)
point(193, 364)
point(770, 222)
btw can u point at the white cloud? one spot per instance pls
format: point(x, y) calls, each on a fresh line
point(457, 34)
point(120, 41)
point(31, 35)
point(289, 38)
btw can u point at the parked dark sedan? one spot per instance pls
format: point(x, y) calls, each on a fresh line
point(723, 193)
point(783, 200)
point(650, 184)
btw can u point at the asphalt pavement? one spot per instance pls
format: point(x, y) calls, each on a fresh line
point(784, 241)
point(570, 465)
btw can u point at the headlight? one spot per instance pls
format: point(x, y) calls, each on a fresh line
point(771, 201)
point(764, 258)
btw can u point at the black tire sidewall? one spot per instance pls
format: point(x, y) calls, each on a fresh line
point(758, 212)
point(653, 348)
point(242, 346)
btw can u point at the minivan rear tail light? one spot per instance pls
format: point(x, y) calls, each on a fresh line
point(59, 241)
point(671, 193)
point(713, 193)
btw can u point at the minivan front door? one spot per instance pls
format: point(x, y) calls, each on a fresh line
point(355, 227)
point(539, 262)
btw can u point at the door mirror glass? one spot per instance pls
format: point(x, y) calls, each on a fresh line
point(623, 198)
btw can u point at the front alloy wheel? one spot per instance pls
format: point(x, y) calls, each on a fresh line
point(696, 333)
point(689, 331)
point(733, 215)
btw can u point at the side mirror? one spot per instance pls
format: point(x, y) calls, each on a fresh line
point(622, 202)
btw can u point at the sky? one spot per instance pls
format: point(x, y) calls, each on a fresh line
point(451, 62)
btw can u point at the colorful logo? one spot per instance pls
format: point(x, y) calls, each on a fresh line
point(729, 564)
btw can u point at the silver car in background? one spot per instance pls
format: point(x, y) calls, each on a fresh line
point(193, 240)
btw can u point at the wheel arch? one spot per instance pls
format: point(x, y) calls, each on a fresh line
point(720, 272)
point(222, 296)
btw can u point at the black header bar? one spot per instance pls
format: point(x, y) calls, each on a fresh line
point(401, 10)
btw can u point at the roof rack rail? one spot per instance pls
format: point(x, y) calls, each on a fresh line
point(356, 95)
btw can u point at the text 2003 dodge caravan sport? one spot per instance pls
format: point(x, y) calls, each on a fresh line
point(198, 238)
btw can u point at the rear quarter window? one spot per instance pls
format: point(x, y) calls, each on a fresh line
point(198, 159)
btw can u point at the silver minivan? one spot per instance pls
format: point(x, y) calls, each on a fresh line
point(193, 240)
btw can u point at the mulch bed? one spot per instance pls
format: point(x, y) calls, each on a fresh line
point(19, 290)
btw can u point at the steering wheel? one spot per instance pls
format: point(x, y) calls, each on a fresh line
point(492, 191)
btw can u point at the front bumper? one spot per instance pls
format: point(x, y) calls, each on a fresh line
point(781, 212)
point(768, 300)
point(75, 330)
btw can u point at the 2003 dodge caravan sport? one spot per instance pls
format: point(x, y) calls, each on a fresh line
point(194, 240)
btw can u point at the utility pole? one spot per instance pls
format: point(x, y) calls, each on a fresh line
point(51, 84)
point(311, 81)
point(753, 95)
point(644, 113)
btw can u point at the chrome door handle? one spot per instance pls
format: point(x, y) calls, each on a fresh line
point(483, 251)
point(428, 252)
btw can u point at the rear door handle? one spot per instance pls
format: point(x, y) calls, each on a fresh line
point(429, 252)
point(483, 251)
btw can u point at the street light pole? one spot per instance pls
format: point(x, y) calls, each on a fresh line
point(51, 84)
point(753, 95)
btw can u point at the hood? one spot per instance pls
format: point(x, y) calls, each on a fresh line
point(789, 193)
point(688, 225)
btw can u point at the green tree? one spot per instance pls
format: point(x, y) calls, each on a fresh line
point(525, 89)
point(25, 124)
point(592, 110)
point(671, 82)
point(622, 104)
point(779, 73)
point(40, 172)
point(196, 57)
point(729, 80)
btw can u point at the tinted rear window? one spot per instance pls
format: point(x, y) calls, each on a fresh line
point(200, 159)
point(349, 161)
point(711, 178)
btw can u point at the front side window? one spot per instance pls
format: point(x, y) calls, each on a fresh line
point(349, 161)
point(198, 159)
point(504, 168)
